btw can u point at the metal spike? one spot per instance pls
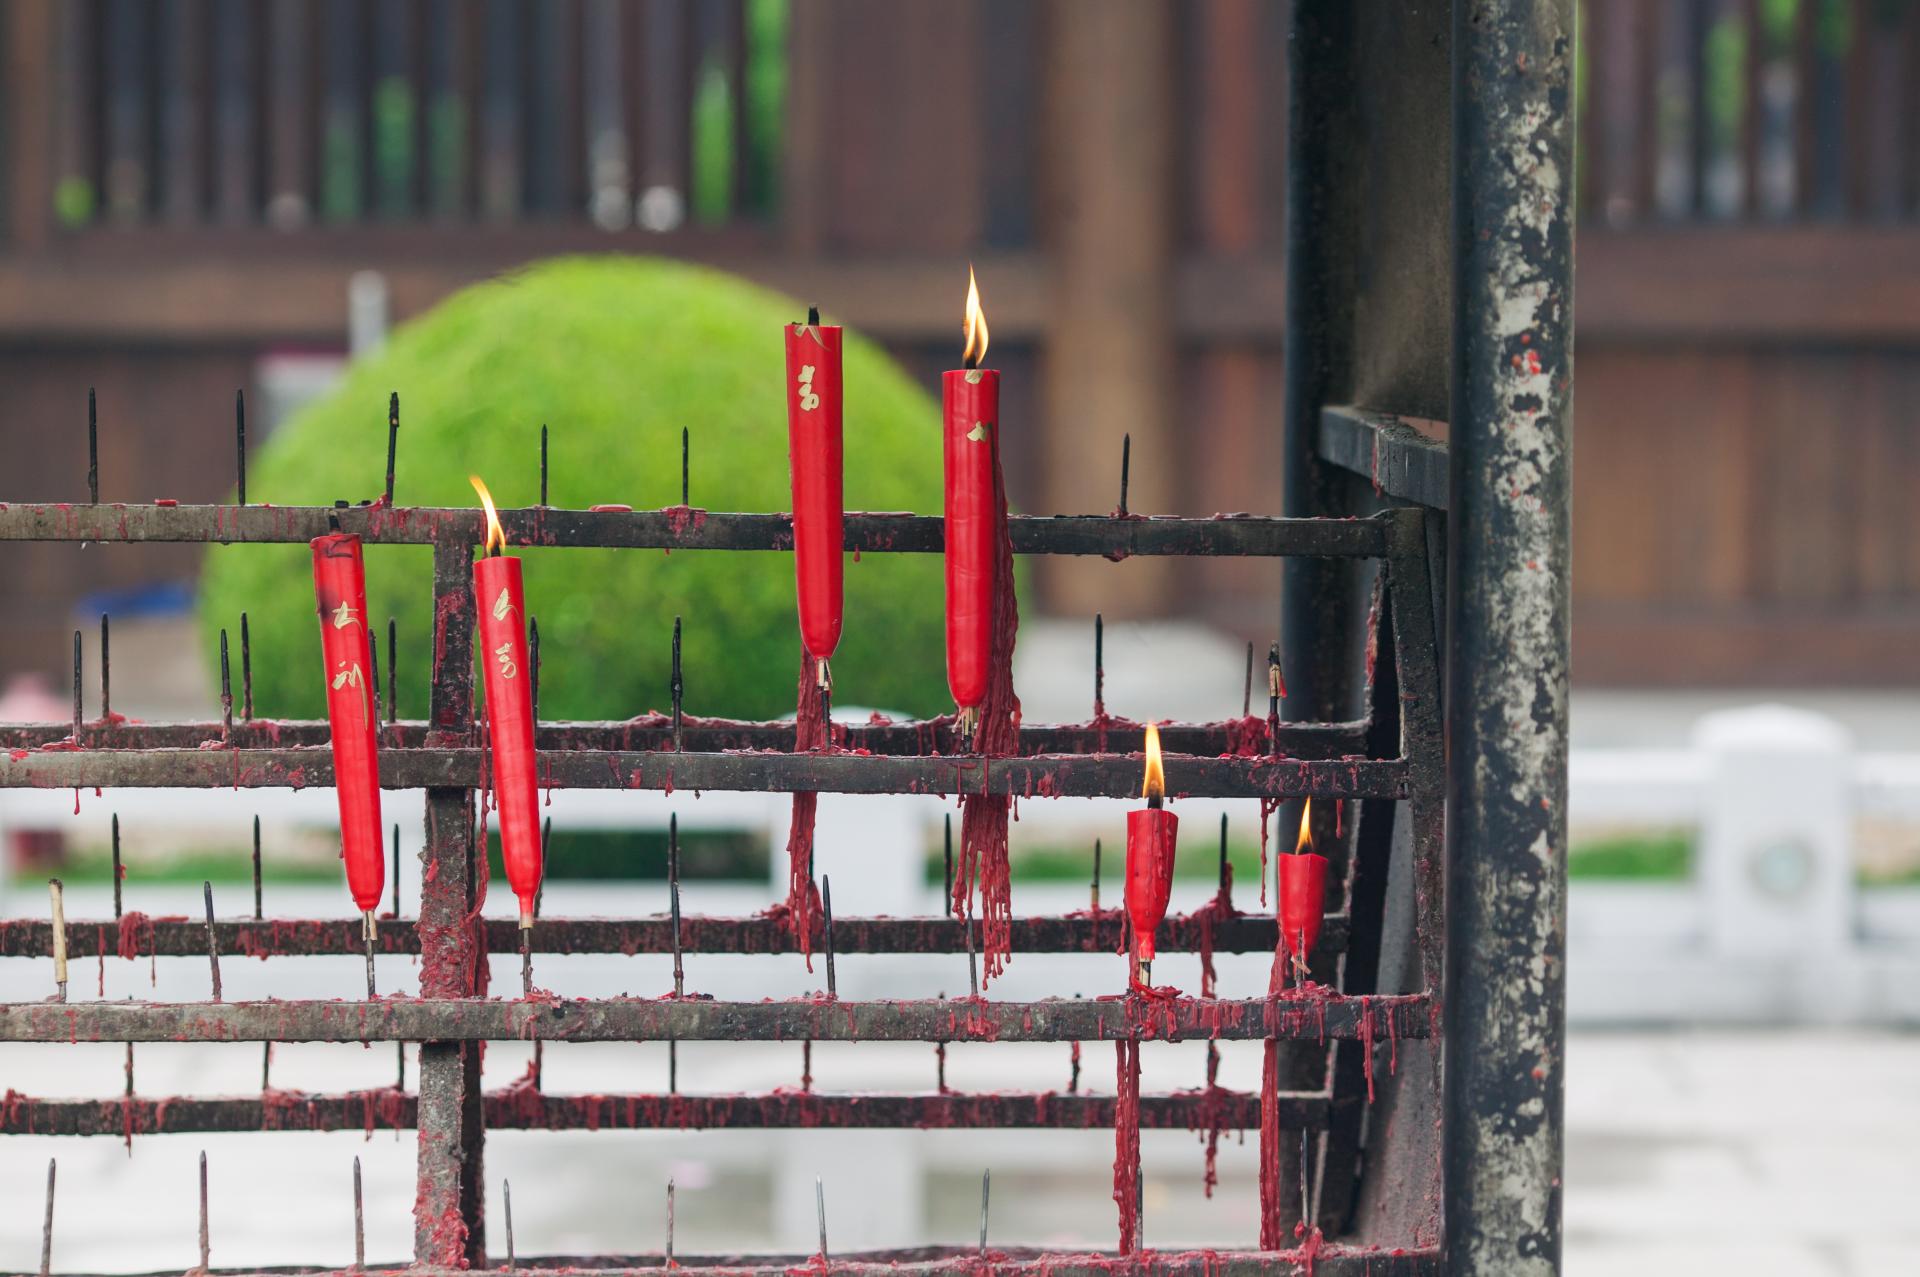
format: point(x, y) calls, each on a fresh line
point(1073, 1076)
point(393, 438)
point(359, 1220)
point(373, 684)
point(46, 1229)
point(226, 693)
point(676, 685)
point(986, 1187)
point(806, 1064)
point(396, 869)
point(1126, 462)
point(106, 672)
point(400, 1072)
point(1099, 664)
point(948, 894)
point(543, 464)
point(820, 1209)
point(669, 1223)
point(1246, 695)
point(129, 1068)
point(56, 896)
point(256, 867)
point(826, 909)
point(533, 664)
point(206, 1249)
point(546, 858)
point(117, 871)
point(973, 966)
point(240, 442)
point(393, 667)
point(246, 670)
point(93, 449)
point(266, 1066)
point(685, 487)
point(213, 943)
point(77, 719)
point(1225, 870)
point(506, 1202)
point(370, 934)
point(940, 1063)
point(673, 899)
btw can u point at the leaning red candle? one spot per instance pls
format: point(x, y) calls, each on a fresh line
point(502, 606)
point(1303, 886)
point(814, 462)
point(1152, 833)
point(340, 588)
point(970, 397)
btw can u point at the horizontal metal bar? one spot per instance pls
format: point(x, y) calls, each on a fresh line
point(522, 1107)
point(1329, 1259)
point(142, 935)
point(684, 528)
point(653, 732)
point(1312, 1014)
point(1401, 460)
point(1044, 775)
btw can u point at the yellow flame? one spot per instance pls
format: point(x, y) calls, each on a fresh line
point(496, 536)
point(975, 352)
point(1155, 783)
point(1305, 841)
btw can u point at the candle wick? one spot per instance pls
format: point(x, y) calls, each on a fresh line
point(813, 316)
point(1155, 803)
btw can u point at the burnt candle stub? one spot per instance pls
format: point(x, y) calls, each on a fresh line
point(340, 591)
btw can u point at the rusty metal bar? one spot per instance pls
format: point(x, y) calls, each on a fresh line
point(928, 737)
point(143, 935)
point(1046, 776)
point(1403, 461)
point(681, 528)
point(1311, 1015)
point(1331, 1259)
point(525, 1108)
point(449, 1224)
point(1508, 630)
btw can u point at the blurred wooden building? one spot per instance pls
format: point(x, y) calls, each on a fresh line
point(190, 185)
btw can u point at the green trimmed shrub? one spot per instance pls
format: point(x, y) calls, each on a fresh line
point(615, 355)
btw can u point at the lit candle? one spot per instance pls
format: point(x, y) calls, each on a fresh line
point(502, 606)
point(814, 463)
point(1303, 886)
point(340, 588)
point(1151, 834)
point(975, 514)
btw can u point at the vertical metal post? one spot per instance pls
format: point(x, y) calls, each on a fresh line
point(1506, 702)
point(449, 1226)
point(1320, 598)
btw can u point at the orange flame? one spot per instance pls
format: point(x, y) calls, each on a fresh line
point(975, 352)
point(496, 536)
point(1155, 783)
point(1305, 841)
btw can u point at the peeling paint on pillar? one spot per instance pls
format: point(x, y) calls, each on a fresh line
point(1504, 1010)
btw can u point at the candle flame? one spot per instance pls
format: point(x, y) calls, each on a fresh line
point(496, 536)
point(1154, 785)
point(1305, 841)
point(975, 352)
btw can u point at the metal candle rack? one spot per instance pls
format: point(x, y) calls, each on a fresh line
point(1371, 765)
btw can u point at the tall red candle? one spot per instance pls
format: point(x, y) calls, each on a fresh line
point(340, 589)
point(1303, 886)
point(814, 462)
point(1152, 833)
point(507, 679)
point(970, 397)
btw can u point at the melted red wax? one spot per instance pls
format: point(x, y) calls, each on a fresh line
point(1267, 807)
point(810, 733)
point(1272, 1233)
point(983, 817)
point(1126, 1141)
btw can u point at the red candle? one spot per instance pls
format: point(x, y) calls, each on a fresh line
point(1303, 885)
point(814, 462)
point(340, 587)
point(971, 435)
point(502, 606)
point(1151, 835)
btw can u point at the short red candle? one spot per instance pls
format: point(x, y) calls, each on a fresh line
point(340, 588)
point(1303, 886)
point(502, 608)
point(814, 462)
point(1152, 833)
point(970, 398)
